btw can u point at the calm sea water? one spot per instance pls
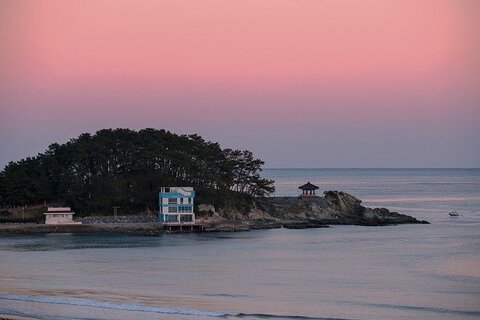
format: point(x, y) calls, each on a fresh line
point(344, 272)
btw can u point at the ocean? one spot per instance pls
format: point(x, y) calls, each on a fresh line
point(343, 272)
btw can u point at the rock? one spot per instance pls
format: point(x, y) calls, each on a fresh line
point(383, 216)
point(337, 207)
point(343, 202)
point(304, 225)
point(257, 212)
point(206, 208)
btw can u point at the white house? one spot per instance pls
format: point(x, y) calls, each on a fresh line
point(59, 215)
point(176, 205)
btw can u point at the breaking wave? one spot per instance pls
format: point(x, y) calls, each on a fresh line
point(83, 302)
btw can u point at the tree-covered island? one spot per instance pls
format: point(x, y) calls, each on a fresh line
point(126, 168)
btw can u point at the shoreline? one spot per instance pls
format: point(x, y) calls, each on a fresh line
point(146, 229)
point(99, 228)
point(336, 208)
point(157, 229)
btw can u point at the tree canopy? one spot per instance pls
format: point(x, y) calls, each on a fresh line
point(123, 167)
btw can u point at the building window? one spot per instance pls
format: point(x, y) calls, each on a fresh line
point(189, 200)
point(172, 209)
point(170, 218)
point(186, 218)
point(181, 200)
point(172, 200)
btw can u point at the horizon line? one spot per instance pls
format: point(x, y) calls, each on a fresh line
point(368, 168)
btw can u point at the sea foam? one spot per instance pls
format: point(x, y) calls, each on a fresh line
point(83, 302)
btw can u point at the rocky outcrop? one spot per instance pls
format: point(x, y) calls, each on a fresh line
point(335, 208)
point(256, 212)
point(206, 208)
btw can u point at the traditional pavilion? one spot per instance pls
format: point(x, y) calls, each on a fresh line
point(308, 190)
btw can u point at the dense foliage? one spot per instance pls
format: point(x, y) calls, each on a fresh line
point(125, 168)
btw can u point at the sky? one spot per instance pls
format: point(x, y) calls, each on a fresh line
point(332, 83)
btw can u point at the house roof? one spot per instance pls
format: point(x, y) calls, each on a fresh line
point(59, 212)
point(308, 186)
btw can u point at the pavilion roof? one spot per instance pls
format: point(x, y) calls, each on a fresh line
point(308, 186)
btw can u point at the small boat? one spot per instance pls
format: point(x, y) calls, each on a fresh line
point(453, 213)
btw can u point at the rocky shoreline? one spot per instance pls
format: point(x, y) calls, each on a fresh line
point(335, 208)
point(151, 228)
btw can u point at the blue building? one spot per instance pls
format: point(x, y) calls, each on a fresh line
point(176, 205)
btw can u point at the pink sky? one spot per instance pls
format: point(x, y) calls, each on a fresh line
point(377, 83)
